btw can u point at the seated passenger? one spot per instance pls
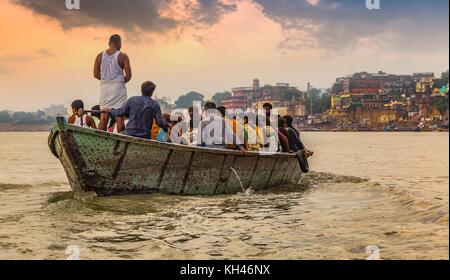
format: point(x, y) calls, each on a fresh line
point(79, 117)
point(95, 114)
point(215, 131)
point(189, 137)
point(269, 136)
point(295, 143)
point(163, 136)
point(141, 111)
point(283, 136)
point(251, 139)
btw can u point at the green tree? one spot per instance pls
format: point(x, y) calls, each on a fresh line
point(219, 96)
point(320, 101)
point(187, 100)
point(5, 117)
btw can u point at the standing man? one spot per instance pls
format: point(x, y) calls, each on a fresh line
point(112, 67)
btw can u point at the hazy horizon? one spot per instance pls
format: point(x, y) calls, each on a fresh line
point(47, 52)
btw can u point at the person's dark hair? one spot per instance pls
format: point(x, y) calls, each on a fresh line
point(267, 106)
point(96, 114)
point(77, 104)
point(209, 105)
point(222, 110)
point(147, 88)
point(115, 39)
point(289, 120)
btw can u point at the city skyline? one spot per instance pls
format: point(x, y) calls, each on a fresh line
point(194, 45)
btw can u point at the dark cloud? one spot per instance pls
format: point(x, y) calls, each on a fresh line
point(211, 11)
point(134, 16)
point(338, 25)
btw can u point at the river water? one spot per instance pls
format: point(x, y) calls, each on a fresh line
point(389, 190)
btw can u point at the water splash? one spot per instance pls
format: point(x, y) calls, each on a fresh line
point(245, 192)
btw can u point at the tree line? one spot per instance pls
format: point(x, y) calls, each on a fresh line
point(38, 117)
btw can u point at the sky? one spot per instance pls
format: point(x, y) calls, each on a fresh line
point(47, 51)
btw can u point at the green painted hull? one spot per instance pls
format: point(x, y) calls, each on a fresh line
point(110, 164)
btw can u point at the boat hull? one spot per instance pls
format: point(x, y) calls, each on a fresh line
point(110, 164)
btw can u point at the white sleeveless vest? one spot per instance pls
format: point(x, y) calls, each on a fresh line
point(110, 69)
point(80, 121)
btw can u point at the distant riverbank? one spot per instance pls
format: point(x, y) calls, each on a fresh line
point(24, 127)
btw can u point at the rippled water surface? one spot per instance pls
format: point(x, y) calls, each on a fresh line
point(384, 189)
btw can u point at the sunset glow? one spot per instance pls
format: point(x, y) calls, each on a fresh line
point(47, 52)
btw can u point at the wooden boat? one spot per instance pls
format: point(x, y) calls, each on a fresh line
point(111, 164)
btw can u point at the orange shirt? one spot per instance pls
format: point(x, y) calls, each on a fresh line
point(154, 130)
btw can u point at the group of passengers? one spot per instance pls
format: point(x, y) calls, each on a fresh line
point(211, 126)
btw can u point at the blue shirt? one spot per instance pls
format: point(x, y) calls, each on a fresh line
point(141, 111)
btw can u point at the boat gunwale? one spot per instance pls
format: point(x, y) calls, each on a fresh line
point(173, 146)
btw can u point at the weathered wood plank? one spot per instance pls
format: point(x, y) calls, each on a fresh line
point(204, 172)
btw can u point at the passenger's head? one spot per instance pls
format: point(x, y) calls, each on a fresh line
point(115, 41)
point(77, 105)
point(268, 107)
point(147, 88)
point(289, 120)
point(95, 111)
point(222, 110)
point(209, 105)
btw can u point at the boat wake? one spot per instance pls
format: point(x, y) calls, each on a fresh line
point(317, 178)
